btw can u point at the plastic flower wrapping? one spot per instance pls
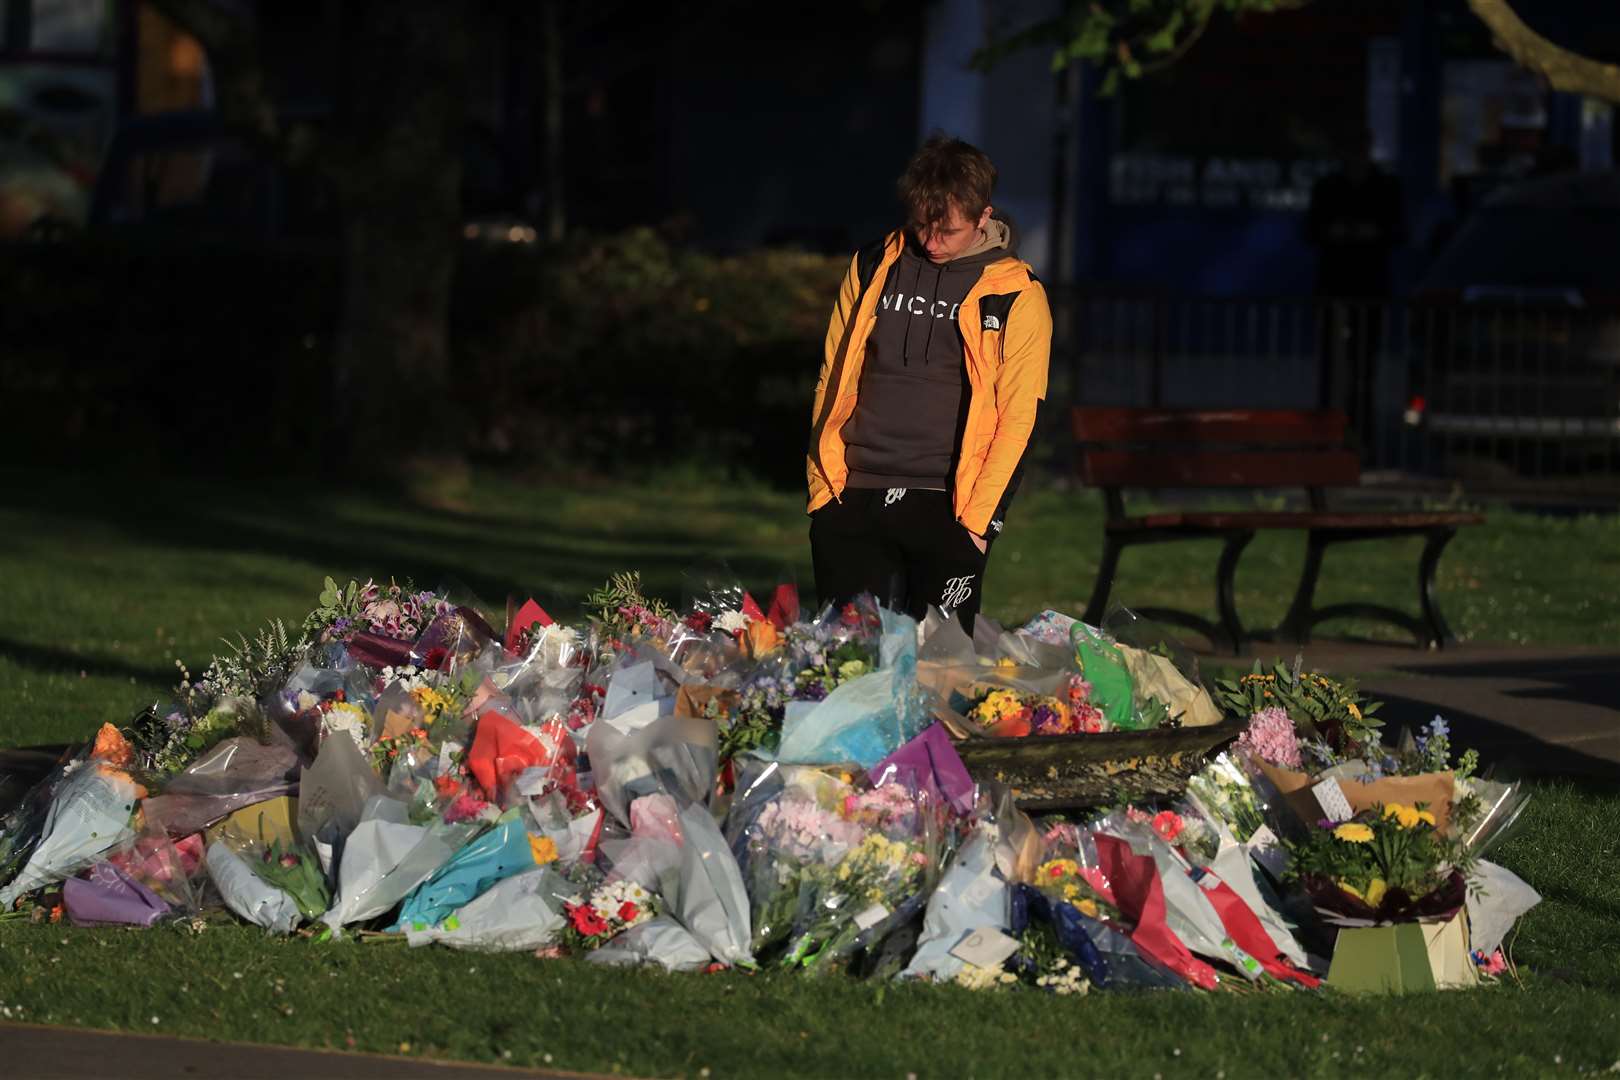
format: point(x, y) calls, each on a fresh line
point(746, 785)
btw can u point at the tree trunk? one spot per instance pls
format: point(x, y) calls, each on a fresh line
point(399, 180)
point(551, 31)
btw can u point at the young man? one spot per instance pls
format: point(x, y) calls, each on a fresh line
point(933, 375)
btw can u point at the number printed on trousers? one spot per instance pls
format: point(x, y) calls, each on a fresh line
point(958, 590)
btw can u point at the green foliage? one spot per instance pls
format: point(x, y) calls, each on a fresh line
point(616, 350)
point(334, 603)
point(250, 668)
point(600, 354)
point(1330, 709)
point(1114, 35)
point(625, 610)
point(1386, 848)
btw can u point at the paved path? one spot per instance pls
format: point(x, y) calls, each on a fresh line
point(37, 1052)
point(1535, 709)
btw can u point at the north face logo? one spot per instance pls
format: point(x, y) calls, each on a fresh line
point(992, 323)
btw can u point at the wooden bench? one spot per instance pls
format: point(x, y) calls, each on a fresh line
point(1159, 449)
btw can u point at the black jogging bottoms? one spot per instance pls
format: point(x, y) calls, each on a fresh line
point(903, 545)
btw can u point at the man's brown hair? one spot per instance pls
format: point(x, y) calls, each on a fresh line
point(945, 171)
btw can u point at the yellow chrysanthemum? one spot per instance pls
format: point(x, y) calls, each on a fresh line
point(433, 702)
point(1353, 832)
point(543, 848)
point(1407, 817)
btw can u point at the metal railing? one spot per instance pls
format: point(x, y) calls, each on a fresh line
point(1496, 394)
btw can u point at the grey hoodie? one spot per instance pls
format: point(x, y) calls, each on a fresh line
point(907, 416)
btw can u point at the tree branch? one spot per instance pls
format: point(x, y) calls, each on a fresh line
point(1564, 70)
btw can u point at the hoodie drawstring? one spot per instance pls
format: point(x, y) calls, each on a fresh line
point(939, 274)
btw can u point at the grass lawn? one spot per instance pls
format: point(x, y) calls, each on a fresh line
point(107, 582)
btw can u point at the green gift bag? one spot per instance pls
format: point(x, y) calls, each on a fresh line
point(1104, 668)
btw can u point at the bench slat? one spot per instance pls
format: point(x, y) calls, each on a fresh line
point(1123, 468)
point(1242, 427)
point(1302, 519)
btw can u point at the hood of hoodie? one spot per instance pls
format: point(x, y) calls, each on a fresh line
point(920, 300)
point(903, 430)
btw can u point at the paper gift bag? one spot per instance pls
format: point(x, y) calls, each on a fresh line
point(272, 820)
point(1433, 789)
point(1403, 958)
point(1155, 676)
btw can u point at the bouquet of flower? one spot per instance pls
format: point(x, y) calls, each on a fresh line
point(296, 872)
point(336, 715)
point(1042, 961)
point(1329, 710)
point(843, 903)
point(800, 829)
point(1223, 790)
point(1389, 863)
point(839, 646)
point(597, 917)
point(396, 611)
point(386, 750)
point(1009, 712)
point(1182, 826)
point(753, 717)
point(626, 614)
point(832, 666)
point(1063, 876)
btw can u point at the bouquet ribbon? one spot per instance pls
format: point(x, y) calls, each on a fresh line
point(1249, 933)
point(1140, 893)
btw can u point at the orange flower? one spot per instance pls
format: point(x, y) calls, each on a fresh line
point(760, 638)
point(112, 747)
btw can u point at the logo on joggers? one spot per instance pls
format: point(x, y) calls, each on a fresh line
point(958, 590)
point(893, 495)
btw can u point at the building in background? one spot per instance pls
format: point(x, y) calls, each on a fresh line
point(70, 72)
point(1196, 180)
point(732, 131)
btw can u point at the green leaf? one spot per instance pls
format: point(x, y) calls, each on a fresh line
point(1110, 83)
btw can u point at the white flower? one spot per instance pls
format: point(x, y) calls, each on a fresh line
point(973, 977)
point(350, 719)
point(731, 622)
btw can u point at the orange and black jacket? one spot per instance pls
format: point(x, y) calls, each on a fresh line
point(1006, 328)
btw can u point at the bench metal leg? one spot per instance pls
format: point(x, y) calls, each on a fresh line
point(1225, 602)
point(1296, 625)
point(1303, 615)
point(1105, 581)
point(1440, 633)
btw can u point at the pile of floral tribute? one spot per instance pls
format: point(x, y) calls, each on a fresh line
point(738, 786)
